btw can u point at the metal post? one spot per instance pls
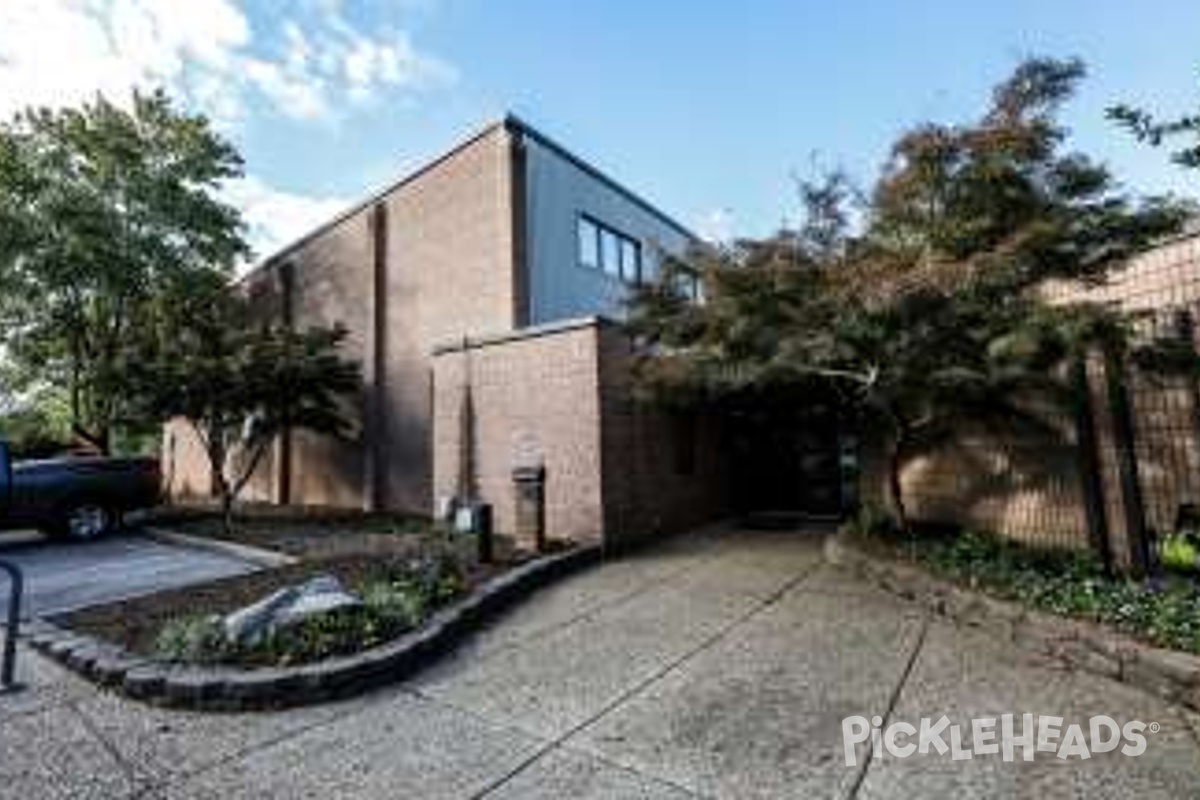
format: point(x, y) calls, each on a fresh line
point(485, 533)
point(8, 662)
point(1089, 465)
point(1124, 441)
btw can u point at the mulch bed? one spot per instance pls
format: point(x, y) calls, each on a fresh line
point(355, 547)
point(305, 535)
point(134, 624)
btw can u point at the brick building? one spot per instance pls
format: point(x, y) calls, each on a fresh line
point(486, 277)
point(484, 285)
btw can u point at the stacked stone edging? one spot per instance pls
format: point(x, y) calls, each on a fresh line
point(1078, 644)
point(219, 688)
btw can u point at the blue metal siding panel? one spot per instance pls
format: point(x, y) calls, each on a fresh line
point(558, 192)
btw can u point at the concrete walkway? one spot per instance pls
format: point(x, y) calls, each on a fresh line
point(715, 665)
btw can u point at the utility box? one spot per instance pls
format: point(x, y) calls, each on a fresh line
point(475, 519)
point(529, 483)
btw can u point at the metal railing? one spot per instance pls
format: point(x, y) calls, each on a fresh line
point(8, 659)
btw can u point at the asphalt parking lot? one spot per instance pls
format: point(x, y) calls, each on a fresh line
point(62, 576)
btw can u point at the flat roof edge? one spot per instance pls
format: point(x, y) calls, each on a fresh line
point(379, 194)
point(509, 122)
point(478, 341)
point(514, 122)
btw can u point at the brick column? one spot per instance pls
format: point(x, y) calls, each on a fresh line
point(283, 445)
point(375, 363)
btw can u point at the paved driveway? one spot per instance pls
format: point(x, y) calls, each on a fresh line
point(712, 666)
point(60, 576)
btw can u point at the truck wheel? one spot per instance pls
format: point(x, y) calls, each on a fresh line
point(85, 521)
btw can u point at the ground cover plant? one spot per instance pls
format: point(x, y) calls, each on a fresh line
point(396, 598)
point(1163, 610)
point(403, 570)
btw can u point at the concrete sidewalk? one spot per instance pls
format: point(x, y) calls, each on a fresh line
point(715, 665)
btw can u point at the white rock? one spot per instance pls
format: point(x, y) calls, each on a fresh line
point(320, 595)
point(287, 606)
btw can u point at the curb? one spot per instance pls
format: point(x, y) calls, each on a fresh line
point(255, 555)
point(233, 689)
point(1076, 644)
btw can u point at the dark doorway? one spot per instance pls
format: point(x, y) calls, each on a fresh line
point(790, 464)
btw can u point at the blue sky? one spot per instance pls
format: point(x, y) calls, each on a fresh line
point(707, 108)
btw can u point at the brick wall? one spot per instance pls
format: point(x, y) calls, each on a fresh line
point(1030, 487)
point(559, 395)
point(443, 267)
point(536, 400)
point(663, 472)
point(449, 274)
point(1026, 487)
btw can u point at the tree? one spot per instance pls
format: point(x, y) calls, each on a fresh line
point(929, 315)
point(37, 428)
point(239, 380)
point(101, 210)
point(1155, 131)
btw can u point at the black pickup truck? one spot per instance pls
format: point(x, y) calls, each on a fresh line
point(80, 498)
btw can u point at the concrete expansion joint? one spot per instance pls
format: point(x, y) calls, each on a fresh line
point(587, 614)
point(638, 688)
point(129, 771)
point(892, 701)
point(242, 752)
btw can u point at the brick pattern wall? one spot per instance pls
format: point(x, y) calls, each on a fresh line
point(560, 396)
point(663, 473)
point(1157, 287)
point(450, 274)
point(535, 400)
point(448, 271)
point(1030, 487)
point(332, 285)
point(1027, 488)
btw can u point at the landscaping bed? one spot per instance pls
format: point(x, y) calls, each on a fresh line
point(390, 573)
point(1163, 610)
point(304, 533)
point(138, 624)
point(219, 687)
point(1054, 605)
point(403, 592)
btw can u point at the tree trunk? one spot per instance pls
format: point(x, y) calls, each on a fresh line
point(895, 487)
point(227, 512)
point(217, 455)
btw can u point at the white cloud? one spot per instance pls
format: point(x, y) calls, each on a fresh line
point(276, 217)
point(716, 226)
point(207, 54)
point(301, 95)
point(59, 52)
point(370, 64)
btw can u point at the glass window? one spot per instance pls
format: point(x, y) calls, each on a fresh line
point(589, 243)
point(610, 252)
point(608, 249)
point(631, 261)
